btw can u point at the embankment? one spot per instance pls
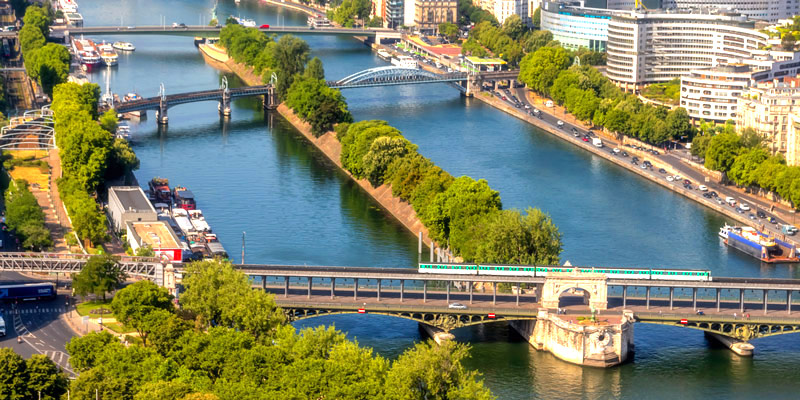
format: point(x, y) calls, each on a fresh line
point(329, 145)
point(293, 6)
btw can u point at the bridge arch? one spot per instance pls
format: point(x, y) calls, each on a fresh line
point(595, 287)
point(395, 75)
point(442, 320)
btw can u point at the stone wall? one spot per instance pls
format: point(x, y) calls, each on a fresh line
point(596, 346)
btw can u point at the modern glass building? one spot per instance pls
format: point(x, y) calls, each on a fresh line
point(394, 13)
point(575, 26)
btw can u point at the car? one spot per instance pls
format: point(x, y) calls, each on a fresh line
point(181, 25)
point(585, 138)
point(744, 206)
point(730, 200)
point(772, 220)
point(752, 216)
point(707, 195)
point(575, 133)
point(702, 188)
point(670, 178)
point(687, 182)
point(265, 26)
point(655, 152)
point(644, 166)
point(457, 306)
point(505, 98)
point(616, 150)
point(662, 171)
point(624, 154)
point(761, 214)
point(527, 107)
point(560, 124)
point(700, 312)
point(677, 177)
point(713, 194)
point(719, 201)
point(174, 24)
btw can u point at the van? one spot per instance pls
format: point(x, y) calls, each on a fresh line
point(597, 142)
point(730, 200)
point(789, 230)
point(549, 103)
point(2, 326)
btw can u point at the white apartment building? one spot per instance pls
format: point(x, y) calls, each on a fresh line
point(502, 9)
point(656, 46)
point(766, 107)
point(766, 10)
point(793, 140)
point(711, 94)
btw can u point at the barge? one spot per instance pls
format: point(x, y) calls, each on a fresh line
point(766, 248)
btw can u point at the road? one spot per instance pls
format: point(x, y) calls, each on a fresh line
point(40, 325)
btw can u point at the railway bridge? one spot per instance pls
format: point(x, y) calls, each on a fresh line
point(739, 309)
point(468, 83)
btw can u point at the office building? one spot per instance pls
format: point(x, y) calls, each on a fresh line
point(428, 14)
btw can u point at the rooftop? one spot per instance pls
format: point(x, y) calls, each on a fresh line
point(157, 235)
point(485, 61)
point(132, 198)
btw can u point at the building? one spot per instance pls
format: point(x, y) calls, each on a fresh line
point(766, 107)
point(428, 14)
point(765, 10)
point(394, 14)
point(502, 9)
point(379, 9)
point(793, 140)
point(575, 26)
point(711, 93)
point(129, 203)
point(156, 235)
point(409, 12)
point(656, 46)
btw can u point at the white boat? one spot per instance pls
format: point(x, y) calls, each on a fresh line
point(124, 46)
point(247, 23)
point(237, 2)
point(86, 52)
point(199, 221)
point(723, 231)
point(68, 6)
point(404, 62)
point(108, 54)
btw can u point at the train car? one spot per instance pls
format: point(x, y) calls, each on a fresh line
point(681, 275)
point(619, 273)
point(509, 270)
point(455, 269)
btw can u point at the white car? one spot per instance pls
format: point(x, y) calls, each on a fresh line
point(457, 306)
point(670, 178)
point(744, 207)
point(702, 188)
point(616, 150)
point(560, 123)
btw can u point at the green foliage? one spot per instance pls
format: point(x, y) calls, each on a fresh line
point(513, 27)
point(356, 143)
point(100, 275)
point(510, 237)
point(473, 48)
point(468, 12)
point(498, 41)
point(405, 173)
point(788, 41)
point(13, 376)
point(375, 22)
point(700, 145)
point(382, 152)
point(84, 350)
point(722, 149)
point(315, 70)
point(744, 167)
point(133, 303)
point(667, 92)
point(455, 210)
point(24, 216)
point(431, 371)
point(87, 220)
point(47, 63)
point(121, 160)
point(220, 295)
point(350, 10)
point(539, 69)
point(109, 121)
point(316, 103)
point(449, 30)
point(45, 378)
point(30, 38)
point(537, 18)
point(535, 40)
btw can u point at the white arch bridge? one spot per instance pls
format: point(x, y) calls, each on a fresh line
point(373, 77)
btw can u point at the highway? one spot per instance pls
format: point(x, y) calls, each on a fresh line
point(40, 325)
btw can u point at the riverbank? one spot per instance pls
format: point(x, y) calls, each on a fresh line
point(329, 145)
point(295, 6)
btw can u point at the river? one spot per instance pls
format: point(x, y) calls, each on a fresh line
point(255, 174)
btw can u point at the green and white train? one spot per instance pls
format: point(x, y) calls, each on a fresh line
point(544, 270)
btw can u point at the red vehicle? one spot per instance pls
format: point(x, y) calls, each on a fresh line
point(265, 26)
point(159, 188)
point(184, 198)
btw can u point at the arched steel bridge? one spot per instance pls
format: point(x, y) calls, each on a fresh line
point(380, 76)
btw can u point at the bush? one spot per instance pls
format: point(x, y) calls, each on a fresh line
point(25, 216)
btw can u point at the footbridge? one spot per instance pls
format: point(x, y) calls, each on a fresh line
point(34, 130)
point(373, 77)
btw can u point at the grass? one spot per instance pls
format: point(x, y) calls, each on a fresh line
point(87, 307)
point(118, 327)
point(30, 165)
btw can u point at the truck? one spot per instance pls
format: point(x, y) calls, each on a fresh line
point(597, 142)
point(28, 291)
point(2, 326)
point(789, 229)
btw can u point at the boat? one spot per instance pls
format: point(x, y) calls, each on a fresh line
point(237, 2)
point(758, 244)
point(384, 55)
point(131, 97)
point(184, 198)
point(86, 52)
point(404, 62)
point(159, 190)
point(318, 21)
point(199, 221)
point(124, 46)
point(68, 6)
point(108, 54)
point(247, 23)
point(123, 132)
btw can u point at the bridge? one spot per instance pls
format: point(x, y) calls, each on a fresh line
point(740, 309)
point(208, 31)
point(379, 76)
point(34, 130)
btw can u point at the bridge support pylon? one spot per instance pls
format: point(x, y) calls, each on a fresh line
point(161, 113)
point(473, 85)
point(225, 104)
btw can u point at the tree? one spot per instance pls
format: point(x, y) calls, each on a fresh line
point(13, 376)
point(163, 329)
point(290, 54)
point(509, 237)
point(132, 304)
point(45, 378)
point(538, 70)
point(745, 165)
point(164, 390)
point(25, 217)
point(30, 39)
point(700, 145)
point(122, 159)
point(430, 371)
point(100, 275)
point(314, 69)
point(49, 65)
point(513, 27)
point(537, 18)
point(356, 143)
point(109, 121)
point(678, 124)
point(452, 213)
point(37, 17)
point(382, 152)
point(449, 30)
point(722, 149)
point(537, 40)
point(788, 41)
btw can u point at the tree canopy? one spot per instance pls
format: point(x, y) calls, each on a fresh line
point(100, 275)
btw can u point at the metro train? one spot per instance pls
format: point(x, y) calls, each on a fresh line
point(543, 270)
